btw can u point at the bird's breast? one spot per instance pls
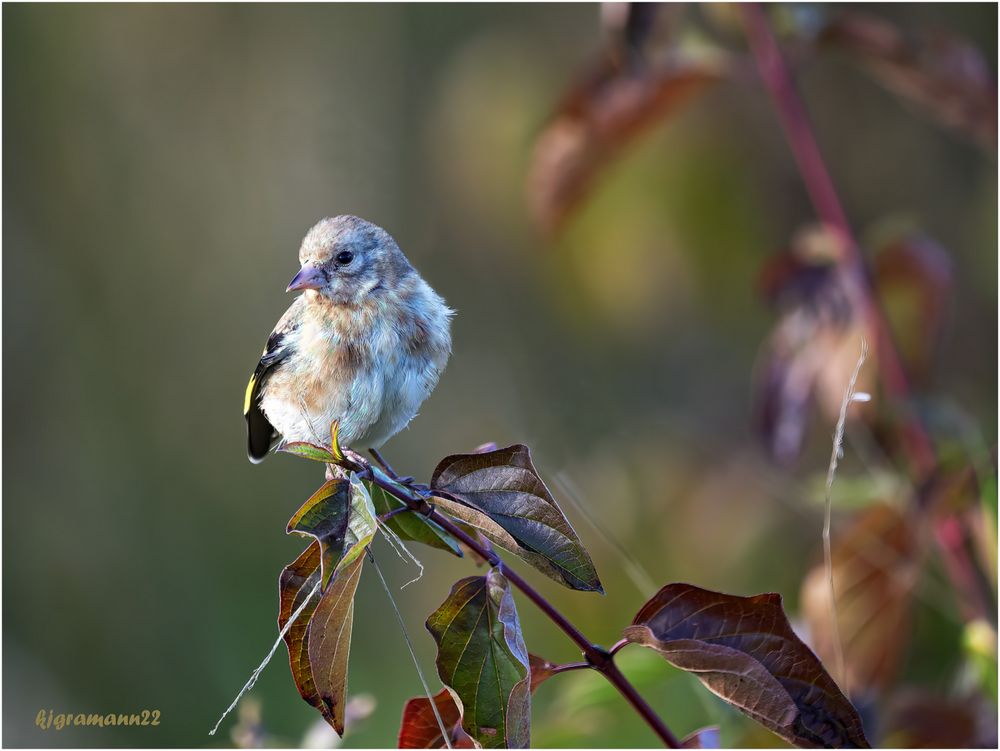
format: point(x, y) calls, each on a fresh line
point(368, 367)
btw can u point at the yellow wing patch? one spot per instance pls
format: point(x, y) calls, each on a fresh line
point(249, 395)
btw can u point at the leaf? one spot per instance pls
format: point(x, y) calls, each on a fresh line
point(979, 644)
point(420, 729)
point(522, 514)
point(809, 357)
point(339, 515)
point(309, 451)
point(331, 455)
point(600, 116)
point(483, 660)
point(413, 526)
point(707, 737)
point(329, 641)
point(744, 650)
point(341, 519)
point(913, 276)
point(361, 524)
point(918, 718)
point(324, 516)
point(294, 585)
point(541, 670)
point(319, 640)
point(941, 72)
point(874, 572)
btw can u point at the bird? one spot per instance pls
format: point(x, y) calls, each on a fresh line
point(363, 345)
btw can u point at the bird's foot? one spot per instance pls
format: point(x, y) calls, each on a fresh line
point(361, 465)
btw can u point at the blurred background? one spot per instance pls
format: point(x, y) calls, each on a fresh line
point(163, 164)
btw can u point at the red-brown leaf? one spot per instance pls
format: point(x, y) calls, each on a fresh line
point(420, 729)
point(329, 641)
point(744, 650)
point(914, 279)
point(920, 719)
point(541, 670)
point(297, 580)
point(598, 118)
point(874, 572)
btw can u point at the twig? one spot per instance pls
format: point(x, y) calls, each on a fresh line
point(618, 646)
point(597, 657)
point(394, 512)
point(778, 80)
point(567, 667)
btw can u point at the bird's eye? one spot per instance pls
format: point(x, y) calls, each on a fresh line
point(344, 257)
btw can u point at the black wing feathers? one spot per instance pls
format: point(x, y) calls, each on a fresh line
point(260, 432)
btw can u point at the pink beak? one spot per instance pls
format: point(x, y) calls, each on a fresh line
point(309, 277)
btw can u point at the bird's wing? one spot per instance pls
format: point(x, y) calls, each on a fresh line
point(260, 432)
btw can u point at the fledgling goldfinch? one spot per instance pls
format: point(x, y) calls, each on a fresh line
point(363, 345)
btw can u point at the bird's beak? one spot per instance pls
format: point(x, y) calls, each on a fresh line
point(309, 277)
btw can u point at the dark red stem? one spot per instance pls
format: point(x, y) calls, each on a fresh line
point(618, 645)
point(778, 79)
point(596, 656)
point(555, 669)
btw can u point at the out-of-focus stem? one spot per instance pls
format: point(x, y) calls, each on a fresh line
point(778, 80)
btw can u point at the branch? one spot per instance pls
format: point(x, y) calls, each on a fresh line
point(778, 80)
point(596, 657)
point(962, 569)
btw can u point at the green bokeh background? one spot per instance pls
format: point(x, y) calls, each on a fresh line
point(162, 165)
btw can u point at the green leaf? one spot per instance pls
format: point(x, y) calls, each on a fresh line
point(361, 523)
point(483, 659)
point(324, 516)
point(516, 512)
point(339, 515)
point(331, 455)
point(744, 650)
point(412, 526)
point(294, 585)
point(420, 728)
point(329, 642)
point(309, 451)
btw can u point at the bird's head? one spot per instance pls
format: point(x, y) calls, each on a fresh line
point(345, 259)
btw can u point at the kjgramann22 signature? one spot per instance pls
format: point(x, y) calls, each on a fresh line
point(50, 719)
